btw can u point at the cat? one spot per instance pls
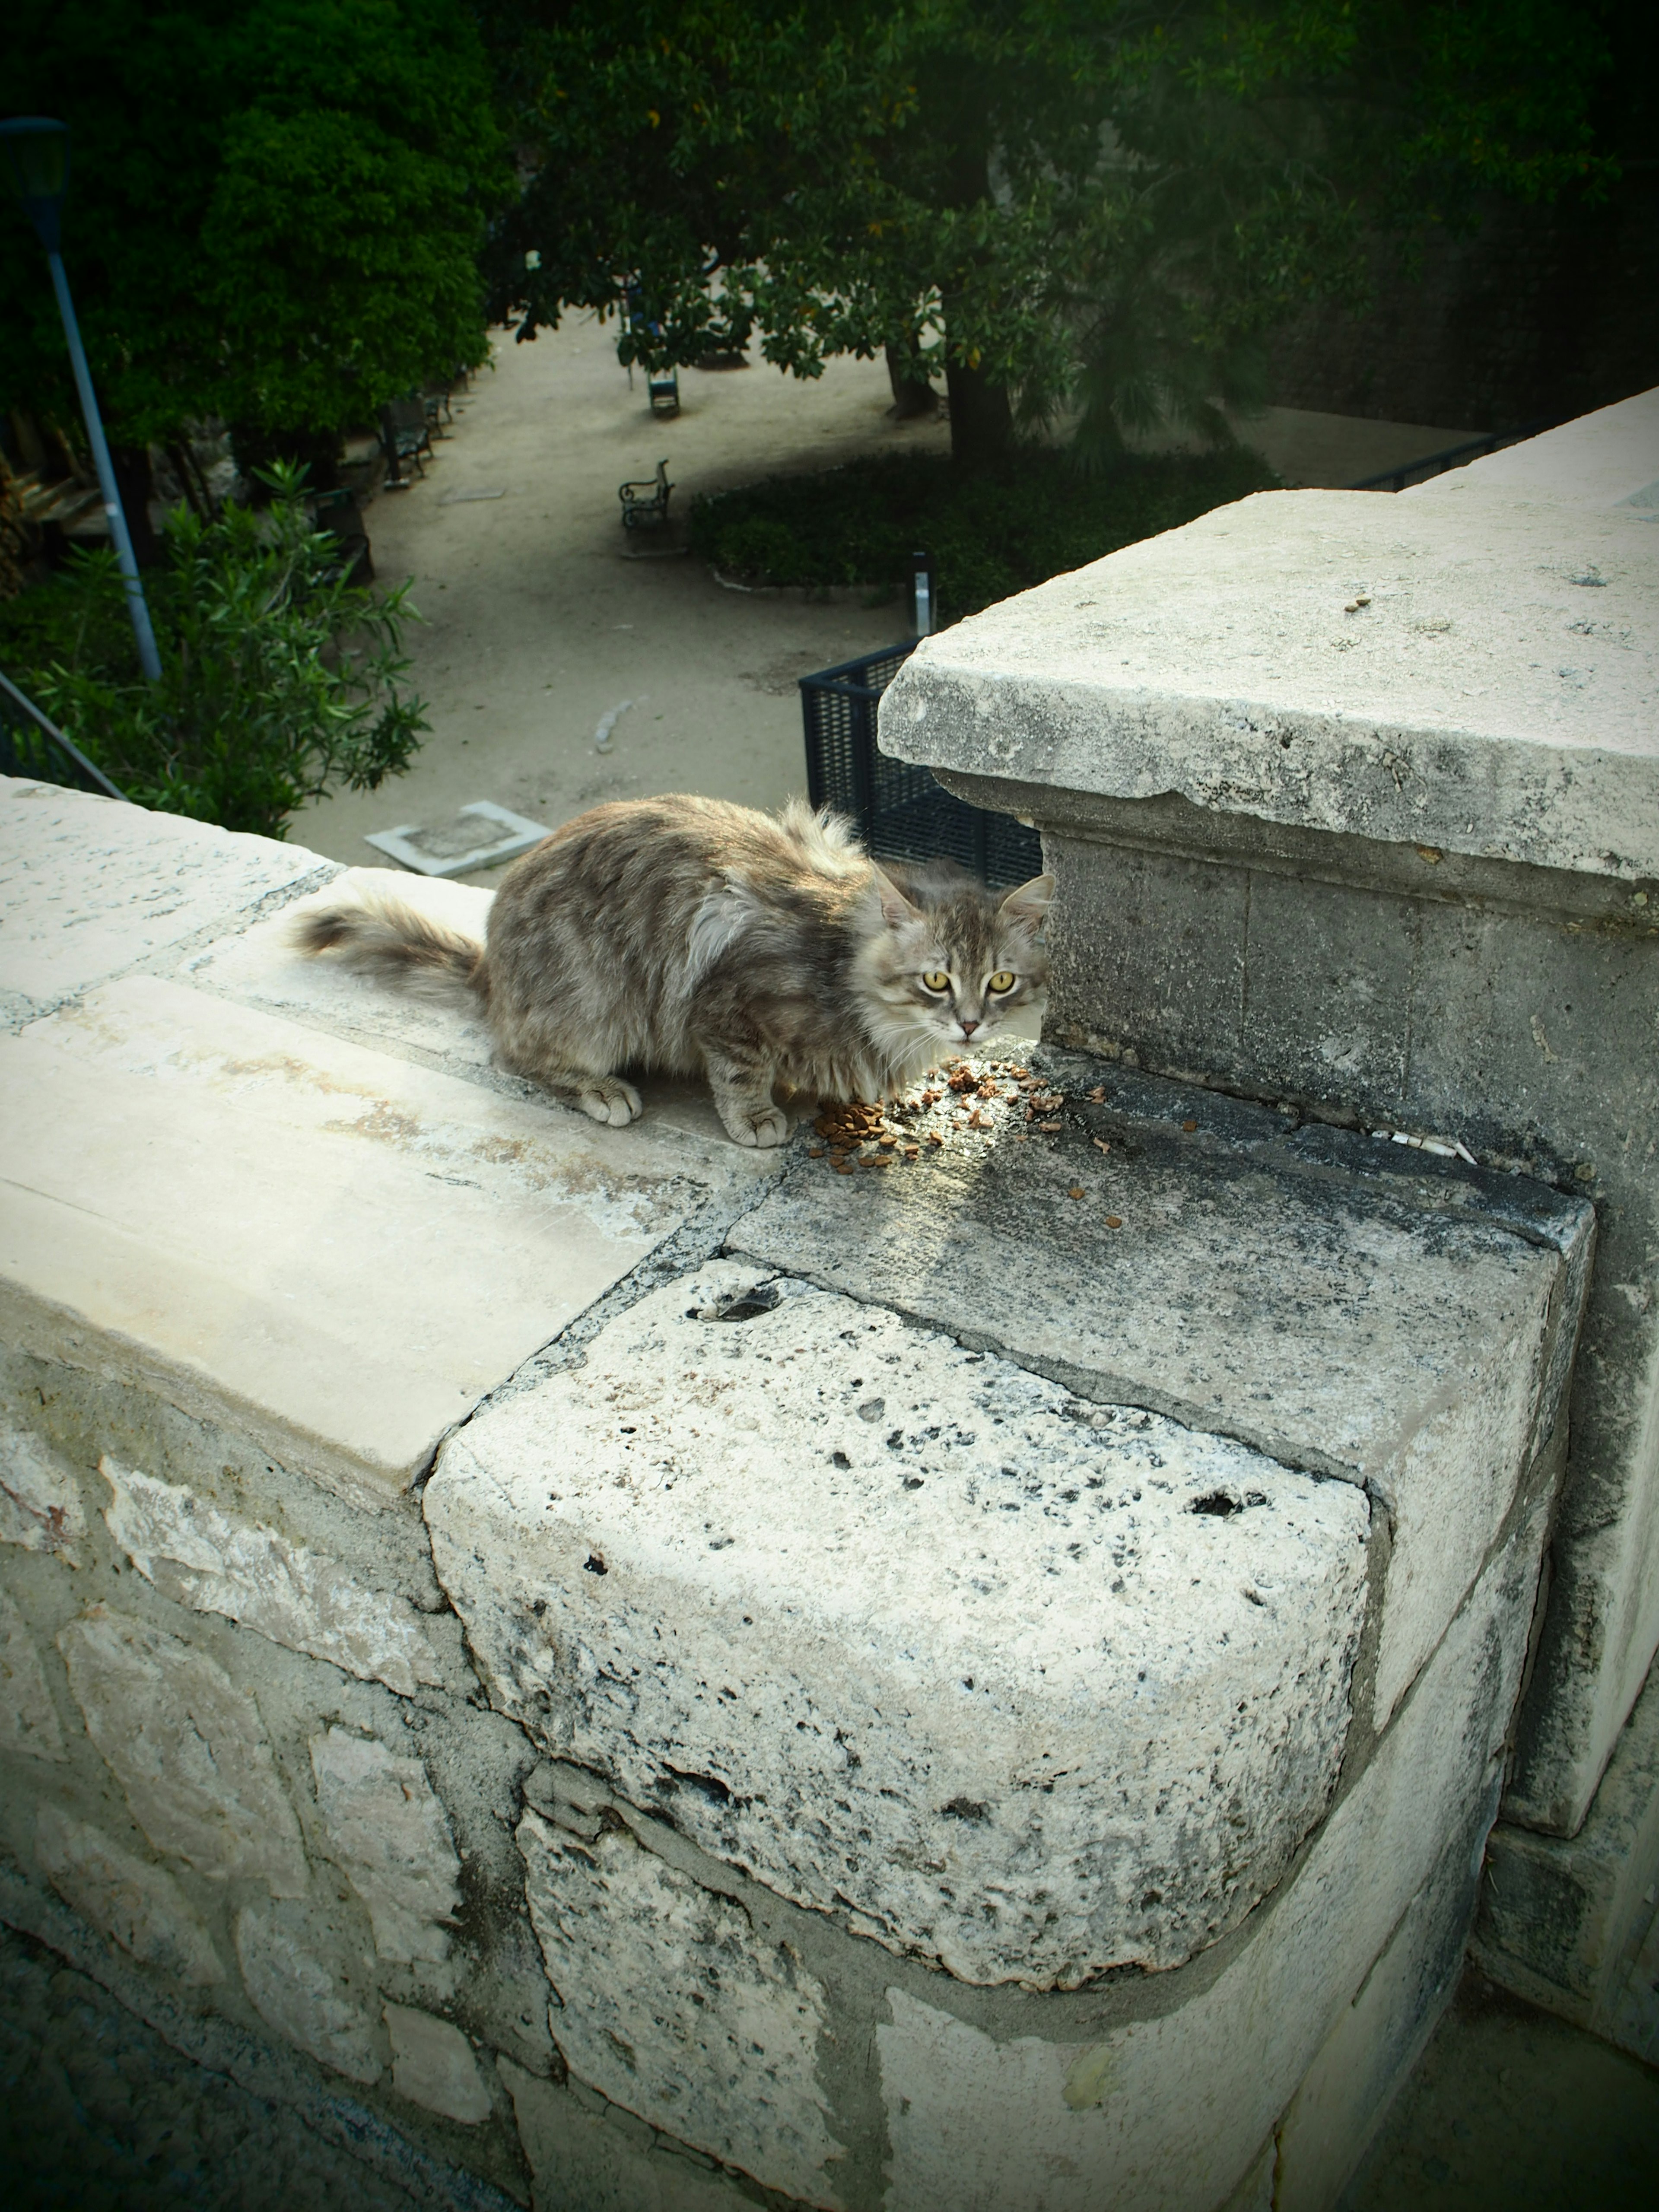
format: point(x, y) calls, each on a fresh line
point(690, 936)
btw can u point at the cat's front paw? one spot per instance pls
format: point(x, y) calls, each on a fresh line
point(605, 1099)
point(769, 1128)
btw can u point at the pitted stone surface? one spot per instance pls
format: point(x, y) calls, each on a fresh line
point(204, 1559)
point(28, 1719)
point(41, 1506)
point(187, 1746)
point(1479, 675)
point(390, 1834)
point(333, 1250)
point(898, 1628)
point(1280, 1290)
point(139, 1906)
point(673, 2006)
point(90, 888)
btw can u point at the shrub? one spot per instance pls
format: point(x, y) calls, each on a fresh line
point(990, 533)
point(279, 678)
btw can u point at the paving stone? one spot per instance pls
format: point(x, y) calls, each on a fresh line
point(1030, 1687)
point(28, 1719)
point(432, 2065)
point(335, 1252)
point(187, 1746)
point(40, 1503)
point(90, 887)
point(389, 1832)
point(1289, 1290)
point(292, 1969)
point(673, 2006)
point(205, 1559)
point(139, 1906)
point(1165, 2114)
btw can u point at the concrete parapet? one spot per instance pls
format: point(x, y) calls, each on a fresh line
point(643, 1675)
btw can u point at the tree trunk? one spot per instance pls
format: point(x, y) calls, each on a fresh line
point(912, 395)
point(981, 416)
point(133, 481)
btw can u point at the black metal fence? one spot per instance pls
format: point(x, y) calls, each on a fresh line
point(31, 745)
point(901, 812)
point(1449, 457)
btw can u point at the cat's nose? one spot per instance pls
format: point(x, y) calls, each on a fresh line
point(968, 1027)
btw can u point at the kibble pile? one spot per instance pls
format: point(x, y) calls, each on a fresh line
point(976, 1101)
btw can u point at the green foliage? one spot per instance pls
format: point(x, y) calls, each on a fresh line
point(279, 678)
point(1093, 203)
point(275, 206)
point(990, 532)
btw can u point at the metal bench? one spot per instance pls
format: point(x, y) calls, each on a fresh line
point(645, 505)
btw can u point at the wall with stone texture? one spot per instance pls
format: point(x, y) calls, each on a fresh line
point(618, 1672)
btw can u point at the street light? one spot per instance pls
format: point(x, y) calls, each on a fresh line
point(37, 149)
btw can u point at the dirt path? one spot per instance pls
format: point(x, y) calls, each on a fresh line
point(537, 623)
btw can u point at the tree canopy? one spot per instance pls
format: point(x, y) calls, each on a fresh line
point(1094, 202)
point(275, 211)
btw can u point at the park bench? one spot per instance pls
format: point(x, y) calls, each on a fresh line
point(405, 434)
point(645, 504)
point(338, 514)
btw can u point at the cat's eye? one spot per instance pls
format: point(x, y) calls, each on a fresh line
point(937, 980)
point(1003, 980)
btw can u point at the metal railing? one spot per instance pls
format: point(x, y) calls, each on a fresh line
point(32, 744)
point(1450, 457)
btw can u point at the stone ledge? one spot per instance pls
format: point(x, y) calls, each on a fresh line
point(850, 1602)
point(331, 1250)
point(1407, 1329)
point(90, 888)
point(1496, 694)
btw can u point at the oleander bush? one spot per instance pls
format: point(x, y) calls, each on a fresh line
point(280, 678)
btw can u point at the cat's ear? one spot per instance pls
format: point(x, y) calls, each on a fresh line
point(1028, 907)
point(896, 909)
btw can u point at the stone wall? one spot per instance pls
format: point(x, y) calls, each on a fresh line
point(619, 1671)
point(1353, 806)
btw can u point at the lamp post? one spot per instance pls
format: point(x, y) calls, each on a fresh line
point(37, 149)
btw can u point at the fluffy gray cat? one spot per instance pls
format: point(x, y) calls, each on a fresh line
point(691, 937)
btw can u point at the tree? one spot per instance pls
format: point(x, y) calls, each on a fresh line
point(274, 210)
point(1045, 202)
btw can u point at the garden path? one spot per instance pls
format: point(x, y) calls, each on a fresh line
point(537, 623)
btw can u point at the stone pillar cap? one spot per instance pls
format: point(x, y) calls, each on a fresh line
point(1473, 668)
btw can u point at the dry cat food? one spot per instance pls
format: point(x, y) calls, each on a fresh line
point(978, 1098)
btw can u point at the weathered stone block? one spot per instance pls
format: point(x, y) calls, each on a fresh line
point(336, 1252)
point(390, 1835)
point(90, 888)
point(584, 2162)
point(1376, 2040)
point(187, 1746)
point(1405, 1330)
point(1167, 2113)
point(306, 1985)
point(432, 2065)
point(137, 1906)
point(1561, 1922)
point(41, 1506)
point(28, 1718)
point(204, 1559)
point(1033, 1687)
point(672, 2005)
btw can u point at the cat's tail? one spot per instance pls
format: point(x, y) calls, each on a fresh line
point(388, 939)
